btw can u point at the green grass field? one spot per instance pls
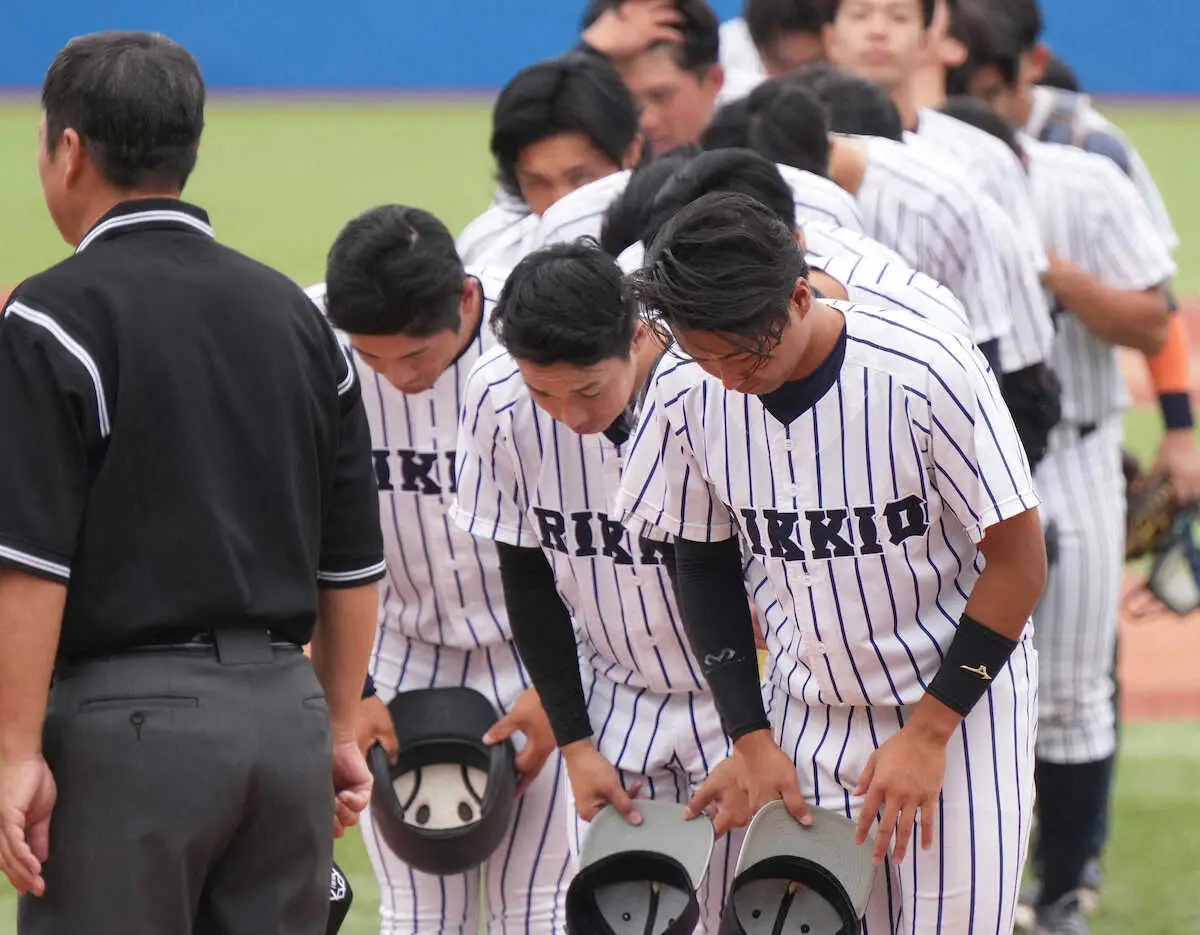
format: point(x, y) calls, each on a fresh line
point(279, 179)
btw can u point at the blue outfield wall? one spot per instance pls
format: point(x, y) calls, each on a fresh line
point(478, 44)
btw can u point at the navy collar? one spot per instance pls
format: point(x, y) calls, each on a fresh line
point(148, 214)
point(793, 399)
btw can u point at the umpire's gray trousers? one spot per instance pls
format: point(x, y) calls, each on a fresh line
point(195, 797)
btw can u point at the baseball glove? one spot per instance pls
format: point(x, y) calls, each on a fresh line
point(1151, 508)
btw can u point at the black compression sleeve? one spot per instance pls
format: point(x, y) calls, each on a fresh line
point(545, 639)
point(716, 617)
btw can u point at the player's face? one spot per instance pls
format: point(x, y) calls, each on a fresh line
point(676, 104)
point(790, 51)
point(556, 166)
point(750, 373)
point(881, 40)
point(413, 365)
point(988, 85)
point(587, 400)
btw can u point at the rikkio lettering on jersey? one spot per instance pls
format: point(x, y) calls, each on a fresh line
point(427, 473)
point(588, 534)
point(844, 532)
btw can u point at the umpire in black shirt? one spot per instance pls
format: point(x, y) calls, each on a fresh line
point(186, 498)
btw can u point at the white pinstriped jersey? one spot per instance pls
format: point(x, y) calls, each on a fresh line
point(821, 239)
point(442, 585)
point(996, 167)
point(820, 200)
point(1092, 215)
point(931, 214)
point(1044, 100)
point(500, 236)
point(529, 481)
point(865, 511)
point(871, 281)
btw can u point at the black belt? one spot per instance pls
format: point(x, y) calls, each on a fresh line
point(233, 645)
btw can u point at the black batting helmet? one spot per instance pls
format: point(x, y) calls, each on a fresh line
point(447, 802)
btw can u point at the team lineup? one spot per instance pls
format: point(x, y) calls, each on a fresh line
point(757, 456)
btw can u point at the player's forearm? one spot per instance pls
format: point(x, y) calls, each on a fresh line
point(1129, 318)
point(341, 651)
point(720, 629)
point(545, 640)
point(31, 612)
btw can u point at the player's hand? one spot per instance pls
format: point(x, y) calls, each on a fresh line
point(352, 784)
point(27, 796)
point(723, 798)
point(596, 783)
point(1179, 460)
point(902, 780)
point(373, 724)
point(527, 717)
point(767, 774)
point(630, 28)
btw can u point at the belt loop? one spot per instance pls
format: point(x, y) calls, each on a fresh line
point(242, 647)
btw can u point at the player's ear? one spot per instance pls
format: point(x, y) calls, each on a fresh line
point(74, 156)
point(802, 297)
point(715, 78)
point(633, 155)
point(1038, 56)
point(471, 291)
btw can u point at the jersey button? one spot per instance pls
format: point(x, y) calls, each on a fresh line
point(788, 444)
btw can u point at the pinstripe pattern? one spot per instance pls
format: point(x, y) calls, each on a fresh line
point(1091, 215)
point(524, 884)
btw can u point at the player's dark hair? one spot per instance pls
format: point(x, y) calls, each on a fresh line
point(1025, 19)
point(700, 27)
point(729, 126)
point(726, 264)
point(136, 99)
point(975, 112)
point(722, 170)
point(394, 270)
point(627, 217)
point(566, 304)
point(787, 124)
point(928, 8)
point(575, 93)
point(988, 40)
point(768, 20)
point(851, 104)
point(1058, 74)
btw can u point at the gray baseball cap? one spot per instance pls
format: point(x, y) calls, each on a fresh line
point(797, 880)
point(640, 879)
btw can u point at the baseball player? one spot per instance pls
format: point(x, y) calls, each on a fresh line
point(773, 37)
point(416, 323)
point(869, 464)
point(545, 429)
point(556, 125)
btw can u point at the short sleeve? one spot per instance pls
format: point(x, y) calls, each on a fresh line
point(1130, 251)
point(979, 462)
point(53, 418)
point(663, 483)
point(351, 540)
point(490, 497)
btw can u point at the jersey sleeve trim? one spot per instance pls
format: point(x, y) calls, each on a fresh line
point(76, 350)
point(998, 513)
point(34, 564)
point(357, 576)
point(483, 528)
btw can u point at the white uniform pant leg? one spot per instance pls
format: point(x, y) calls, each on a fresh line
point(523, 885)
point(1075, 624)
point(968, 881)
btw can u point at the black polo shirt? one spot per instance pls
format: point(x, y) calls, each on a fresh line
point(182, 440)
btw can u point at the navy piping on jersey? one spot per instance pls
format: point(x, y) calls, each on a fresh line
point(796, 397)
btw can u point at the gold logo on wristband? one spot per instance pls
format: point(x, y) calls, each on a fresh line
point(982, 672)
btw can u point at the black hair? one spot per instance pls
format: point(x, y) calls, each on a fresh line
point(575, 93)
point(768, 20)
point(729, 126)
point(726, 264)
point(989, 42)
point(975, 112)
point(928, 8)
point(627, 217)
point(394, 270)
point(699, 25)
point(136, 99)
point(566, 304)
point(722, 170)
point(851, 104)
point(786, 123)
point(1025, 17)
point(1058, 74)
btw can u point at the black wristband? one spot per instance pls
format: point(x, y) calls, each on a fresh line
point(368, 688)
point(1176, 410)
point(976, 655)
